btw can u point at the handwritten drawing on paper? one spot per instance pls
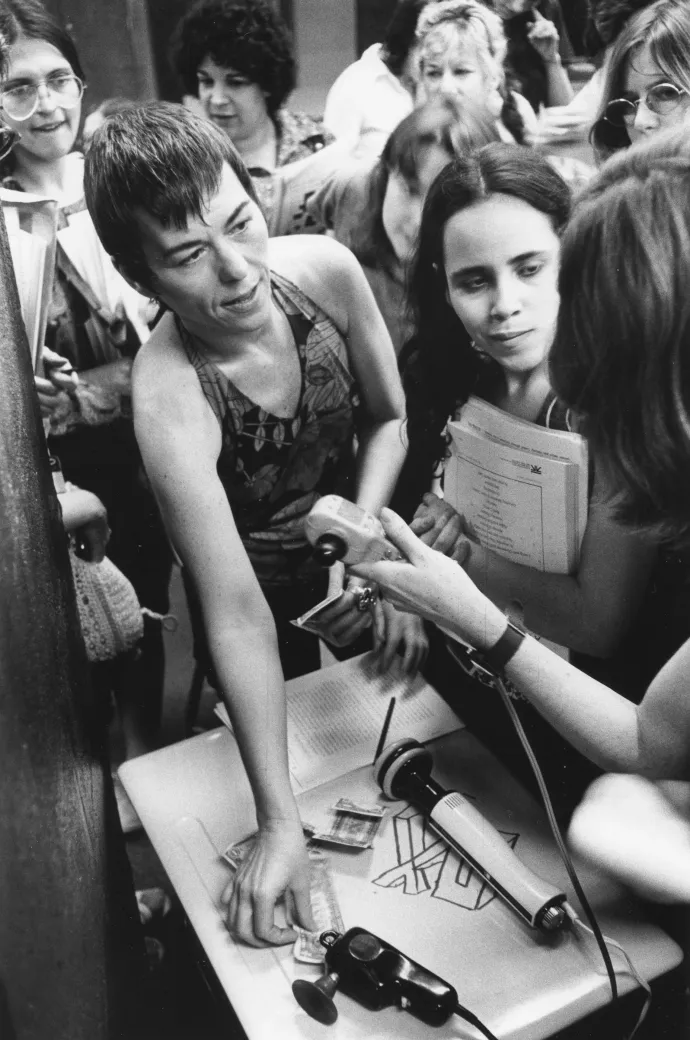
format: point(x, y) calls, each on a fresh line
point(425, 865)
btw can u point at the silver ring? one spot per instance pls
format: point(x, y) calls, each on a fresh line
point(365, 598)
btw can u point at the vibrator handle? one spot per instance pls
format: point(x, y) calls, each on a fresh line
point(469, 832)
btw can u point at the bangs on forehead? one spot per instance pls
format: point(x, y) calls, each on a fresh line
point(671, 57)
point(175, 206)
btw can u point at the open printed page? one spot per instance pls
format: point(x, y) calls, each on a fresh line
point(335, 716)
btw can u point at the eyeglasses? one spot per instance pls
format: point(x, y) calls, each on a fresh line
point(661, 99)
point(21, 102)
point(8, 139)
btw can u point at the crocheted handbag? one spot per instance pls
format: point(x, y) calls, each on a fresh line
point(109, 610)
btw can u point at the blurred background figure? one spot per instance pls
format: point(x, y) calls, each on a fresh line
point(647, 83)
point(538, 47)
point(371, 96)
point(461, 51)
point(605, 20)
point(97, 116)
point(236, 63)
point(375, 207)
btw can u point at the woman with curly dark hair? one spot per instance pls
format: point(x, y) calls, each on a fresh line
point(236, 58)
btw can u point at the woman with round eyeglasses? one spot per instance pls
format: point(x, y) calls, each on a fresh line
point(40, 100)
point(647, 87)
point(90, 426)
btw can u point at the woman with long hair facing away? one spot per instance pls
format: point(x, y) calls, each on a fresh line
point(375, 207)
point(647, 85)
point(485, 295)
point(624, 370)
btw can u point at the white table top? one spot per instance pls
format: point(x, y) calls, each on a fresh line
point(193, 799)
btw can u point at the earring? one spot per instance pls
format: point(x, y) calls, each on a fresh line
point(478, 351)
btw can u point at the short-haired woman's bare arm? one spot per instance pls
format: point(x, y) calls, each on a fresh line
point(180, 442)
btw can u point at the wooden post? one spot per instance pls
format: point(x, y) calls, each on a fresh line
point(70, 942)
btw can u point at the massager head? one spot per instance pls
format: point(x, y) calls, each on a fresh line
point(397, 762)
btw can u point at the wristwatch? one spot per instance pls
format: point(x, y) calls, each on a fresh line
point(494, 660)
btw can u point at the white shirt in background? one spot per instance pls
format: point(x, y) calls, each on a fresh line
point(366, 103)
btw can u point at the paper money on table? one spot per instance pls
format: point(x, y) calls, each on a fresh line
point(353, 828)
point(325, 910)
point(348, 806)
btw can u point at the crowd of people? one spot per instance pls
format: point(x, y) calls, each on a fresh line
point(239, 370)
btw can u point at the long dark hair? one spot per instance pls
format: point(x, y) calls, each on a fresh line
point(29, 19)
point(440, 123)
point(440, 367)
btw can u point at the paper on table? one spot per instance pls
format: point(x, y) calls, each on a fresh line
point(335, 716)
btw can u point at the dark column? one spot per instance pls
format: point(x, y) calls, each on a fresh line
point(70, 944)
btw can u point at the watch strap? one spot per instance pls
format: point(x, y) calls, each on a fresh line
point(494, 660)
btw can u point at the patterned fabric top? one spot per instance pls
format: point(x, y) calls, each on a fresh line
point(298, 137)
point(274, 468)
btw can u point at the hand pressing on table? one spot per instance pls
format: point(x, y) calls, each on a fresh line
point(276, 866)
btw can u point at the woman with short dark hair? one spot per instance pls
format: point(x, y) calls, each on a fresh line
point(247, 398)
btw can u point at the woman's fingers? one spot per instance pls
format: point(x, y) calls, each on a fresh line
point(401, 536)
point(448, 535)
point(336, 578)
point(44, 386)
point(300, 897)
point(423, 523)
